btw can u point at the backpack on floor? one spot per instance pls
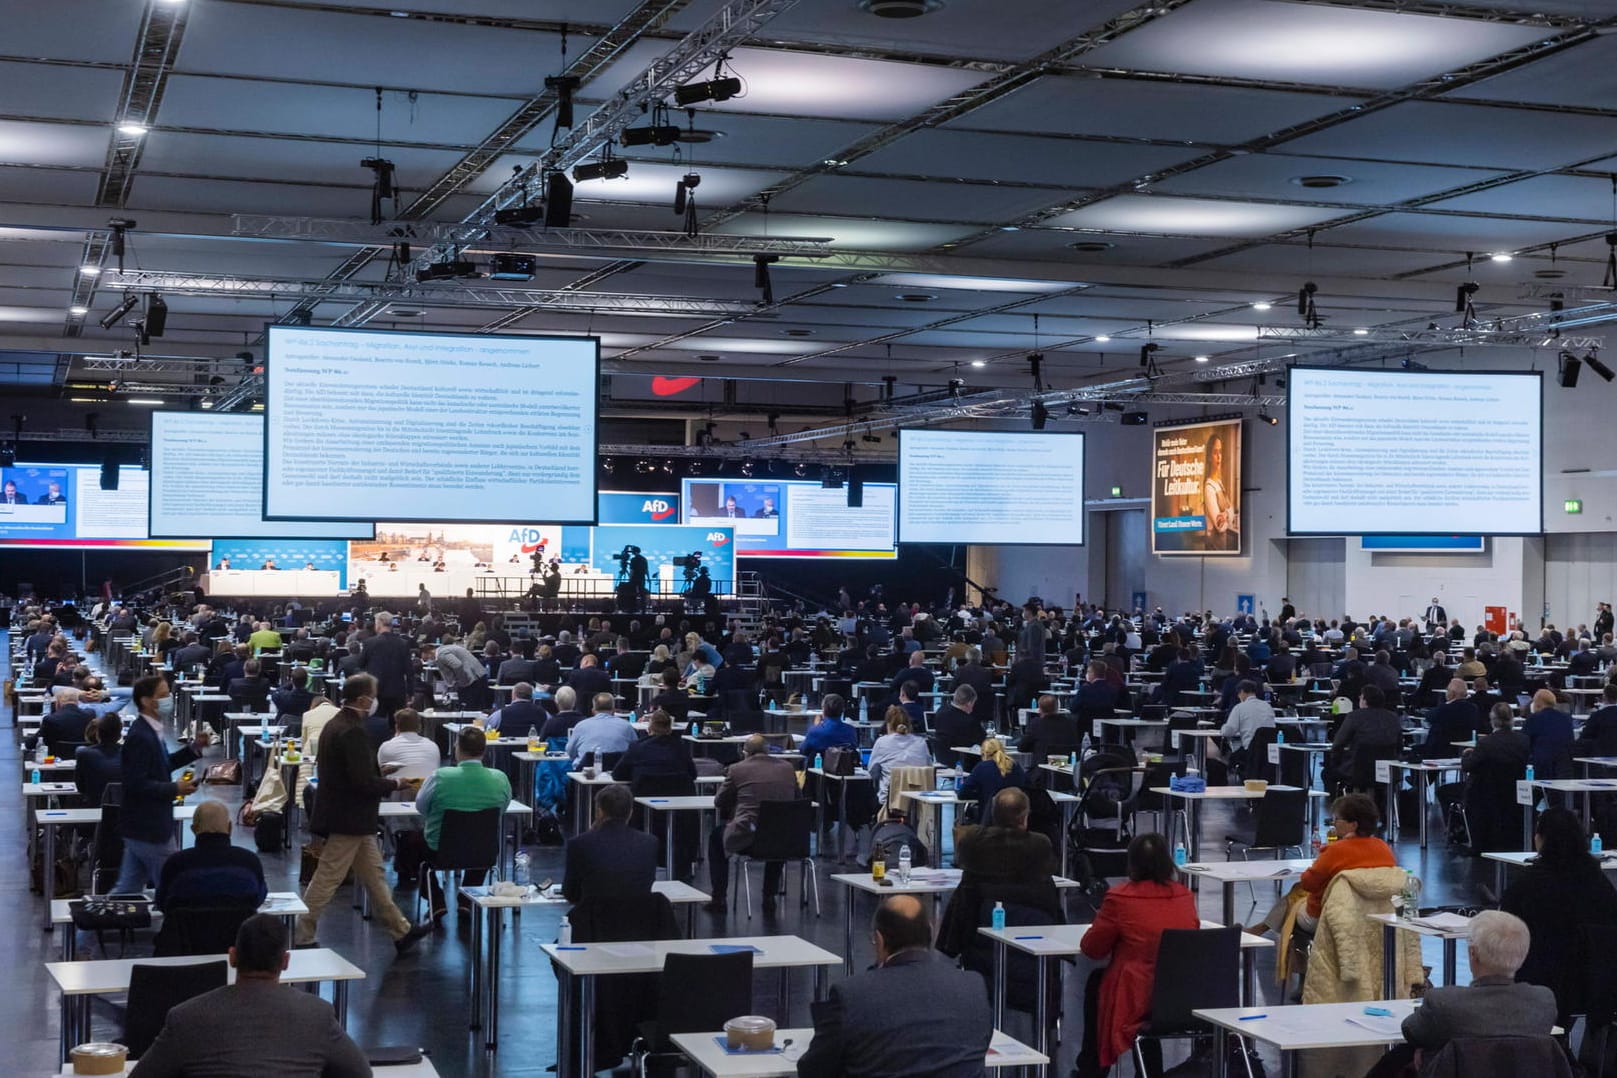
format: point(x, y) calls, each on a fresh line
point(889, 837)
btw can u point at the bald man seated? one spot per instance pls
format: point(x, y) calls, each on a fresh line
point(212, 873)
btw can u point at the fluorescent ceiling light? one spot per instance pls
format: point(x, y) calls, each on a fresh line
point(89, 270)
point(1501, 256)
point(973, 284)
point(747, 344)
point(78, 309)
point(143, 400)
point(979, 363)
point(1193, 216)
point(1262, 306)
point(1102, 339)
point(134, 130)
point(1203, 359)
point(1361, 332)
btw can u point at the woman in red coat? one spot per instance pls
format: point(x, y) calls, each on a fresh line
point(1127, 930)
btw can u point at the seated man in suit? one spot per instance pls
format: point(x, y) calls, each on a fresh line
point(521, 716)
point(100, 762)
point(1599, 734)
point(1453, 720)
point(1493, 1006)
point(755, 778)
point(1095, 699)
point(250, 691)
point(956, 724)
point(293, 698)
point(660, 752)
point(213, 872)
point(869, 1025)
point(291, 1032)
point(1549, 733)
point(589, 680)
point(1051, 733)
point(566, 717)
point(611, 859)
point(64, 729)
point(1369, 728)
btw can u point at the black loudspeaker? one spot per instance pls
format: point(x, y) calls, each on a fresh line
point(1134, 419)
point(558, 201)
point(109, 475)
point(856, 492)
point(1571, 365)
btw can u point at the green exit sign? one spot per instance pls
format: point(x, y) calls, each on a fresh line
point(1574, 505)
point(1117, 492)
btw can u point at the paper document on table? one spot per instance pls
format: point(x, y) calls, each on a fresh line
point(935, 875)
point(627, 950)
point(1445, 922)
point(1390, 1027)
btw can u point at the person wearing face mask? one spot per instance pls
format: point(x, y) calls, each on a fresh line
point(350, 787)
point(146, 820)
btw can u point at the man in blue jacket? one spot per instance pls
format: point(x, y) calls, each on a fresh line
point(146, 819)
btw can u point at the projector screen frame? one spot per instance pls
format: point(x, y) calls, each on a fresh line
point(151, 434)
point(1083, 485)
point(595, 387)
point(1291, 433)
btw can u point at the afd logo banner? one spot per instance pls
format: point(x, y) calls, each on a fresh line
point(331, 554)
point(662, 545)
point(636, 507)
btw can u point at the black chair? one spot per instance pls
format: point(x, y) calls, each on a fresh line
point(203, 930)
point(782, 834)
point(1254, 762)
point(726, 991)
point(467, 841)
point(1197, 969)
point(107, 845)
point(154, 990)
point(623, 1001)
point(1158, 805)
point(1282, 825)
point(686, 825)
point(1599, 987)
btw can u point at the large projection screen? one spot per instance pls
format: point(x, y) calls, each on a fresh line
point(1196, 488)
point(362, 425)
point(1008, 488)
point(1414, 452)
point(207, 482)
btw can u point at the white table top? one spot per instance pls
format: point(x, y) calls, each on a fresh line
point(1602, 761)
point(1242, 871)
point(683, 803)
point(1315, 1025)
point(1577, 786)
point(705, 1051)
point(423, 1069)
point(676, 891)
point(48, 789)
point(1523, 858)
point(923, 881)
point(1426, 765)
point(1226, 792)
point(859, 774)
point(1053, 940)
point(937, 797)
point(1415, 926)
point(59, 764)
point(280, 903)
point(112, 974)
point(407, 809)
point(773, 952)
point(57, 817)
point(1152, 723)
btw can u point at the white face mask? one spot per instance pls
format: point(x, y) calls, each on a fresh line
point(375, 704)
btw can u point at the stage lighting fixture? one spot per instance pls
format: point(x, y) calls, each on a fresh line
point(512, 267)
point(447, 270)
point(760, 276)
point(156, 315)
point(519, 216)
point(1113, 406)
point(654, 135)
point(114, 316)
point(1592, 361)
point(558, 200)
point(1041, 415)
point(1135, 419)
point(1265, 417)
point(722, 89)
point(614, 168)
point(1571, 365)
point(746, 468)
point(1077, 409)
point(668, 467)
point(563, 85)
point(800, 470)
point(1462, 297)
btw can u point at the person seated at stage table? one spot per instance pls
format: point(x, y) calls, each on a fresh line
point(1127, 931)
point(290, 1033)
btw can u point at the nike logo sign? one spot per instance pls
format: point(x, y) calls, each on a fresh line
point(670, 387)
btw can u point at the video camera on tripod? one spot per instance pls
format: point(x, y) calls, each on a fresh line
point(690, 563)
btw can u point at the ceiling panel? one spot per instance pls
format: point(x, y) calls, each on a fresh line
point(597, 12)
point(855, 233)
point(1324, 260)
point(916, 200)
point(66, 93)
point(1445, 133)
point(1582, 197)
point(808, 84)
point(1272, 176)
point(1148, 109)
point(1582, 75)
point(96, 31)
point(746, 141)
point(1055, 245)
point(53, 144)
point(288, 43)
point(284, 160)
point(1281, 41)
point(1069, 163)
point(49, 185)
point(1194, 216)
point(220, 196)
point(1453, 234)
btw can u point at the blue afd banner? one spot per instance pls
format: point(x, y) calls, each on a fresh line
point(286, 553)
point(631, 507)
point(662, 544)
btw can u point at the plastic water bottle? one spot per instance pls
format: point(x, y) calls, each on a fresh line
point(1180, 854)
point(864, 709)
point(1596, 846)
point(35, 781)
point(1280, 736)
point(39, 751)
point(1316, 843)
point(1529, 775)
point(999, 916)
point(519, 873)
point(564, 935)
point(1072, 761)
point(904, 861)
point(819, 761)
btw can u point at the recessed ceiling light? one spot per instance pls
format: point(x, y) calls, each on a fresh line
point(834, 162)
point(1361, 332)
point(78, 309)
point(1010, 228)
point(1203, 359)
point(143, 400)
point(1260, 306)
point(405, 312)
point(1501, 256)
point(899, 9)
point(698, 134)
point(1316, 183)
point(90, 271)
point(1102, 339)
point(917, 297)
point(708, 357)
point(979, 363)
point(1091, 246)
point(132, 129)
point(1549, 274)
point(798, 332)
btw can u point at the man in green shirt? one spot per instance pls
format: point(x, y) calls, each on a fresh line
point(466, 787)
point(264, 638)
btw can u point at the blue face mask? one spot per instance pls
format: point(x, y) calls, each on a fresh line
point(165, 708)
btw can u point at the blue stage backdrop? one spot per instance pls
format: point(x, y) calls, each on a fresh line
point(287, 553)
point(631, 507)
point(661, 544)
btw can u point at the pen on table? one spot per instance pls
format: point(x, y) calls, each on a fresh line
point(1028, 937)
point(1251, 1017)
point(561, 947)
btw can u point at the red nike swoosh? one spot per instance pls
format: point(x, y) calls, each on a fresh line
point(669, 387)
point(664, 515)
